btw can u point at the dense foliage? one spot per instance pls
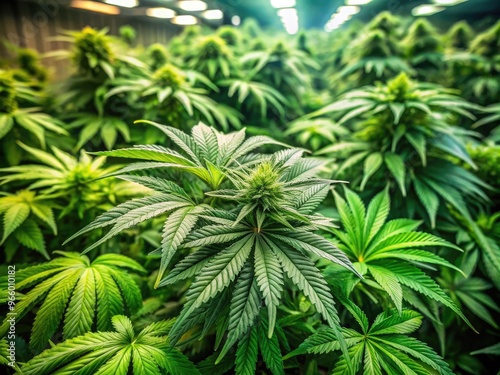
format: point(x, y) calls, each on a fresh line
point(243, 202)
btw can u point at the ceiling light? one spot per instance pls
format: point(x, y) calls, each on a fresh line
point(348, 9)
point(192, 5)
point(448, 2)
point(292, 29)
point(95, 7)
point(288, 14)
point(185, 19)
point(282, 3)
point(426, 10)
point(357, 2)
point(123, 3)
point(213, 14)
point(335, 22)
point(236, 20)
point(160, 12)
point(341, 17)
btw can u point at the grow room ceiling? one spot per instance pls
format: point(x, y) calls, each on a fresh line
point(291, 15)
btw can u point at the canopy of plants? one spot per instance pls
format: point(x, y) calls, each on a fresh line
point(242, 202)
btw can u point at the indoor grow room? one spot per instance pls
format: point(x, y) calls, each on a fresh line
point(250, 187)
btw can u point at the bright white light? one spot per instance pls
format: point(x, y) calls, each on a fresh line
point(185, 19)
point(292, 29)
point(123, 3)
point(192, 5)
point(448, 2)
point(334, 23)
point(282, 3)
point(341, 17)
point(348, 9)
point(160, 12)
point(95, 7)
point(426, 10)
point(236, 20)
point(357, 2)
point(329, 28)
point(213, 14)
point(288, 15)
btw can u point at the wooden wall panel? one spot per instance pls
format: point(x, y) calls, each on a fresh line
point(32, 24)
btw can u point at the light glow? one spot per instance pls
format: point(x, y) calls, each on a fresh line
point(213, 14)
point(341, 17)
point(123, 3)
point(448, 2)
point(288, 13)
point(192, 5)
point(426, 10)
point(95, 7)
point(185, 20)
point(357, 2)
point(283, 3)
point(236, 20)
point(160, 13)
point(292, 29)
point(348, 9)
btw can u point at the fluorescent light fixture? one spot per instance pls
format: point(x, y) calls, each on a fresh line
point(184, 20)
point(357, 2)
point(192, 5)
point(426, 10)
point(448, 2)
point(160, 12)
point(236, 20)
point(123, 3)
point(283, 3)
point(94, 6)
point(288, 15)
point(213, 14)
point(348, 9)
point(292, 29)
point(341, 17)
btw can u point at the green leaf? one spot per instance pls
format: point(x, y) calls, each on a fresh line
point(246, 354)
point(13, 218)
point(396, 166)
point(269, 278)
point(245, 306)
point(218, 274)
point(372, 164)
point(270, 349)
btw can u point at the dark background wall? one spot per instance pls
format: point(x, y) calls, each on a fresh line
point(34, 24)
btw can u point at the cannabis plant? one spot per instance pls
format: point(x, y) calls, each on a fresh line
point(480, 67)
point(213, 58)
point(23, 213)
point(156, 56)
point(403, 131)
point(376, 54)
point(282, 67)
point(492, 122)
point(85, 293)
point(75, 183)
point(382, 347)
point(118, 352)
point(385, 253)
point(255, 99)
point(252, 223)
point(459, 36)
point(469, 292)
point(168, 94)
point(315, 133)
point(424, 50)
point(20, 119)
